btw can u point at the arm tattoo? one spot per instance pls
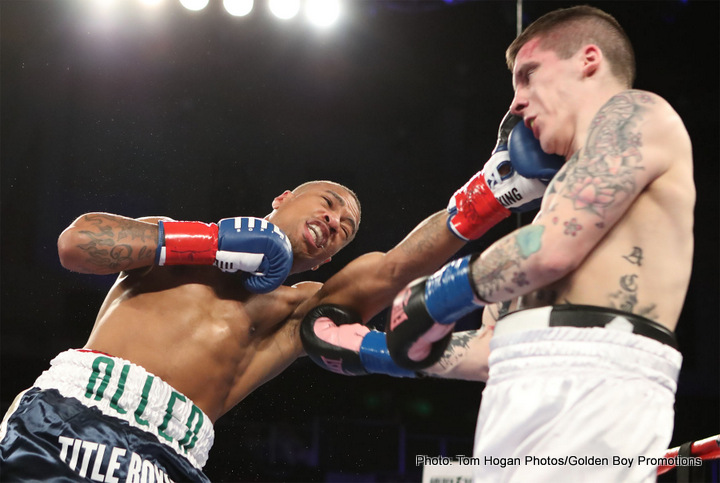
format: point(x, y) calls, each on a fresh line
point(493, 272)
point(423, 241)
point(605, 173)
point(458, 346)
point(105, 247)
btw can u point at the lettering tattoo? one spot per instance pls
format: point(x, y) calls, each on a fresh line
point(491, 271)
point(626, 297)
point(605, 173)
point(628, 283)
point(635, 257)
point(105, 247)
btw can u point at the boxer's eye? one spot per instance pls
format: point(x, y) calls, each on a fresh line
point(525, 72)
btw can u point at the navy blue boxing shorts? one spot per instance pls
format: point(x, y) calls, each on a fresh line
point(93, 417)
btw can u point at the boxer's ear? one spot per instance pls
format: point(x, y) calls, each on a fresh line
point(591, 57)
point(280, 199)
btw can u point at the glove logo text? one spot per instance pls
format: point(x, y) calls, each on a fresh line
point(512, 196)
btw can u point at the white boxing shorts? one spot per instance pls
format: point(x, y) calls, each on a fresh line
point(94, 417)
point(575, 393)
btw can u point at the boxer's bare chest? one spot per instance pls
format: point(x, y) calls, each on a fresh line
point(203, 311)
point(198, 334)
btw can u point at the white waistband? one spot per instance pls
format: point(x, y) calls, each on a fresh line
point(121, 389)
point(521, 344)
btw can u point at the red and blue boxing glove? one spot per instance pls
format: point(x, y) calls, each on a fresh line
point(335, 339)
point(424, 314)
point(423, 317)
point(513, 180)
point(251, 245)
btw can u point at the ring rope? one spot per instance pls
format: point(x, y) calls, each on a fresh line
point(705, 449)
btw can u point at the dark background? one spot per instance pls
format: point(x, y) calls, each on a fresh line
point(200, 115)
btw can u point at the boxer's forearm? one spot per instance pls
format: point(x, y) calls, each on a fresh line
point(466, 357)
point(422, 252)
point(369, 284)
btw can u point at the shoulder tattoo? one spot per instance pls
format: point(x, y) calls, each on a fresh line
point(604, 172)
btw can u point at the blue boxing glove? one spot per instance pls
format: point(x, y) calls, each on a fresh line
point(528, 158)
point(424, 314)
point(520, 170)
point(256, 246)
point(335, 339)
point(247, 244)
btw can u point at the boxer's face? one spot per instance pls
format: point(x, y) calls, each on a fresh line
point(319, 219)
point(544, 88)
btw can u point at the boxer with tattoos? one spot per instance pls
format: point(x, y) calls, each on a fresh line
point(582, 356)
point(197, 319)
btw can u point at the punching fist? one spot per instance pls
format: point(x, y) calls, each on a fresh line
point(528, 158)
point(519, 174)
point(335, 339)
point(512, 180)
point(251, 245)
point(424, 314)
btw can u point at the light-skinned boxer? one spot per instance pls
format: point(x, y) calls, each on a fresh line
point(583, 361)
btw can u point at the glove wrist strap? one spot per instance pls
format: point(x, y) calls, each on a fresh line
point(477, 211)
point(450, 292)
point(376, 358)
point(186, 243)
